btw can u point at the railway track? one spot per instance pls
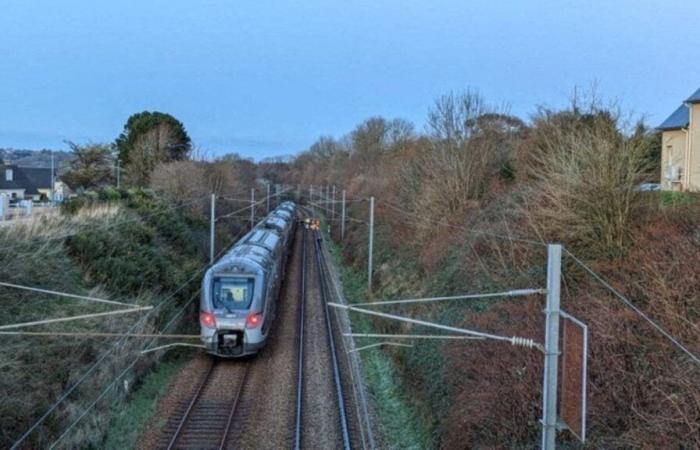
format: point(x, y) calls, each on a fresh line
point(291, 394)
point(206, 420)
point(334, 376)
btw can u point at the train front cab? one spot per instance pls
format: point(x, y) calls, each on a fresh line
point(232, 313)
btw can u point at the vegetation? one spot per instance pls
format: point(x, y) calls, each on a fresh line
point(148, 139)
point(453, 204)
point(398, 422)
point(131, 417)
point(90, 168)
point(464, 206)
point(127, 245)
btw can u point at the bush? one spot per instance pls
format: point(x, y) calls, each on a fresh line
point(584, 182)
point(134, 251)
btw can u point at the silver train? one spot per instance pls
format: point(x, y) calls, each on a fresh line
point(239, 292)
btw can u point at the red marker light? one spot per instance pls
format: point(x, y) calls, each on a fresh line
point(253, 320)
point(207, 319)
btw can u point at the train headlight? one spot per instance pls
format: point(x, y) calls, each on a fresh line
point(254, 320)
point(207, 319)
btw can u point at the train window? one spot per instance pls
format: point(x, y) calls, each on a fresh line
point(233, 293)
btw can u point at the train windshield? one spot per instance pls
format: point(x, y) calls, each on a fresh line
point(233, 293)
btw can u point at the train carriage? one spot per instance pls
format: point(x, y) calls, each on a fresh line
point(239, 292)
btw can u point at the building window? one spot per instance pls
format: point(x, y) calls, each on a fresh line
point(8, 175)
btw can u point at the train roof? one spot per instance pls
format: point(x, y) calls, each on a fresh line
point(243, 258)
point(268, 239)
point(277, 223)
point(285, 214)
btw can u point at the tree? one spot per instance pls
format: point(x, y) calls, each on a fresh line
point(374, 137)
point(150, 138)
point(91, 166)
point(649, 140)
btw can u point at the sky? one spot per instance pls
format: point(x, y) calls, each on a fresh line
point(268, 77)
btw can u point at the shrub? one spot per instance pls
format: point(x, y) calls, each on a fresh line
point(584, 180)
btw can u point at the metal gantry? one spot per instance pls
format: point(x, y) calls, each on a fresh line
point(550, 349)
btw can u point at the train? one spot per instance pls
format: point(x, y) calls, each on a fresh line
point(240, 290)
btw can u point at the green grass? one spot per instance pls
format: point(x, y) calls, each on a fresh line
point(672, 198)
point(400, 426)
point(129, 422)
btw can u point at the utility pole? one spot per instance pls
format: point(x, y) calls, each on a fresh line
point(311, 193)
point(298, 193)
point(371, 245)
point(252, 208)
point(342, 219)
point(551, 348)
point(333, 206)
point(212, 228)
point(268, 198)
point(119, 174)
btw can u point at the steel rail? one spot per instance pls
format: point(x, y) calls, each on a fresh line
point(300, 361)
point(234, 406)
point(331, 343)
point(190, 406)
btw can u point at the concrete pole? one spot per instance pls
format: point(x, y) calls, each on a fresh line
point(371, 245)
point(342, 219)
point(119, 174)
point(333, 205)
point(252, 208)
point(268, 198)
point(212, 228)
point(551, 348)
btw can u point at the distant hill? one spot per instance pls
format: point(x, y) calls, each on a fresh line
point(35, 158)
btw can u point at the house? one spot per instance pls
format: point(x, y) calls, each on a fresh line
point(30, 183)
point(680, 147)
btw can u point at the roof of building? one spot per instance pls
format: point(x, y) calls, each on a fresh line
point(695, 98)
point(30, 179)
point(678, 119)
point(38, 178)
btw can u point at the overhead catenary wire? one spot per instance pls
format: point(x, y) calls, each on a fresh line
point(92, 368)
point(636, 309)
point(171, 345)
point(348, 218)
point(72, 318)
point(380, 344)
point(514, 340)
point(64, 294)
point(223, 216)
point(457, 227)
point(263, 200)
point(107, 352)
point(90, 334)
point(412, 336)
point(590, 271)
point(511, 293)
point(118, 377)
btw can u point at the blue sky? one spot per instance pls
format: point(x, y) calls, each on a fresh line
point(268, 77)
